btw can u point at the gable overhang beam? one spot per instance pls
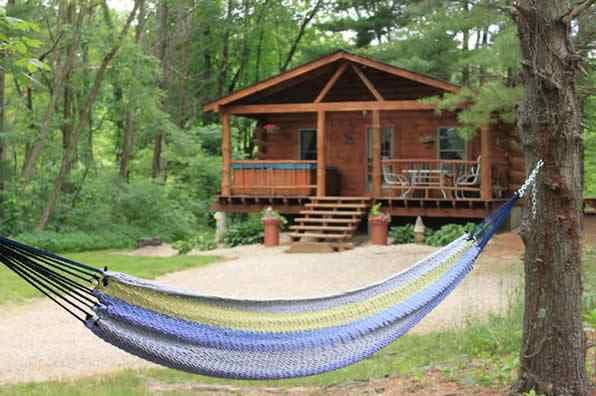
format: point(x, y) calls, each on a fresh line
point(396, 105)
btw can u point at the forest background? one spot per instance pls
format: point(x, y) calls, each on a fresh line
point(102, 137)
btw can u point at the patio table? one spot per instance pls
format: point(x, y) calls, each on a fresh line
point(427, 179)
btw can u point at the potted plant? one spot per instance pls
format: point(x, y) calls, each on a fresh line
point(272, 222)
point(378, 224)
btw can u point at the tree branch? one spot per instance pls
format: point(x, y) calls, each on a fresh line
point(572, 13)
point(303, 26)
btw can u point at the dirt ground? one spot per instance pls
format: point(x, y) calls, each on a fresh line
point(432, 383)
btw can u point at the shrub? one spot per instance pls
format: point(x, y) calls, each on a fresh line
point(448, 233)
point(402, 234)
point(76, 241)
point(202, 241)
point(245, 232)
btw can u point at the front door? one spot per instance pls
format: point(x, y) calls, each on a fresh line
point(386, 152)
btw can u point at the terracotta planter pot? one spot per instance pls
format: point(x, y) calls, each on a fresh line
point(271, 231)
point(377, 230)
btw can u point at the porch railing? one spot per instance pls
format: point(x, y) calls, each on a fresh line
point(273, 178)
point(431, 178)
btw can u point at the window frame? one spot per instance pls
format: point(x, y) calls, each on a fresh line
point(464, 151)
point(300, 143)
point(369, 152)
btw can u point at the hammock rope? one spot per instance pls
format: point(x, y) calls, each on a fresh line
point(253, 339)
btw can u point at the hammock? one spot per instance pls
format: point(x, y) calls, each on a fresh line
point(252, 339)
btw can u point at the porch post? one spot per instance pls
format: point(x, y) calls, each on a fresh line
point(486, 183)
point(376, 153)
point(321, 154)
point(226, 153)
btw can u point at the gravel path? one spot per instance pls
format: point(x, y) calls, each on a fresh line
point(40, 342)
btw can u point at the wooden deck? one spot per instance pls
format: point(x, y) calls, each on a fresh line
point(399, 207)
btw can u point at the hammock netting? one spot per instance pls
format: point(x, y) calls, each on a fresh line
point(250, 339)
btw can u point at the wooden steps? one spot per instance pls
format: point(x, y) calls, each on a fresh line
point(332, 212)
point(324, 227)
point(337, 206)
point(328, 223)
point(324, 220)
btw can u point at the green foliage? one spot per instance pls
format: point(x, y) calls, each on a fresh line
point(375, 210)
point(590, 145)
point(14, 289)
point(269, 213)
point(77, 241)
point(244, 232)
point(201, 241)
point(448, 233)
point(402, 234)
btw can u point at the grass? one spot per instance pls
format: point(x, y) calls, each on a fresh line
point(15, 290)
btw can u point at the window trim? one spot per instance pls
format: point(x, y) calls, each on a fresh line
point(438, 150)
point(369, 141)
point(300, 131)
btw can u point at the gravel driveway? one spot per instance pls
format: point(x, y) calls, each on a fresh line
point(40, 342)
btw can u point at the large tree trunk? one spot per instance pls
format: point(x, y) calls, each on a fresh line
point(552, 355)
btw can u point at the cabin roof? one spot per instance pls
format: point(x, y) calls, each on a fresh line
point(321, 66)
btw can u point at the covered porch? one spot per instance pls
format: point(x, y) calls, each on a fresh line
point(382, 176)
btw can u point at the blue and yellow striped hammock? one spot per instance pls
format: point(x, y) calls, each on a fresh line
point(252, 339)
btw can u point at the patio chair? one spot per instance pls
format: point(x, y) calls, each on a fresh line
point(394, 180)
point(467, 180)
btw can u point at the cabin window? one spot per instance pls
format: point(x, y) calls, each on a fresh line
point(308, 144)
point(386, 142)
point(451, 145)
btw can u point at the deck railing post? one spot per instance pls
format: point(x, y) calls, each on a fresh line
point(376, 153)
point(226, 152)
point(486, 183)
point(321, 154)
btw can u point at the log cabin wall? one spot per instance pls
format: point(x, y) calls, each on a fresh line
point(346, 148)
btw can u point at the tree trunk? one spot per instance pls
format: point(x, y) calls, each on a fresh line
point(83, 120)
point(63, 65)
point(225, 52)
point(309, 16)
point(162, 56)
point(128, 130)
point(465, 78)
point(3, 145)
point(552, 354)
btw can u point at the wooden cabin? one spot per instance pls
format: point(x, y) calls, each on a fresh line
point(343, 131)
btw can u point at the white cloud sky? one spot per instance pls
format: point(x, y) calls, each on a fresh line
point(121, 5)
